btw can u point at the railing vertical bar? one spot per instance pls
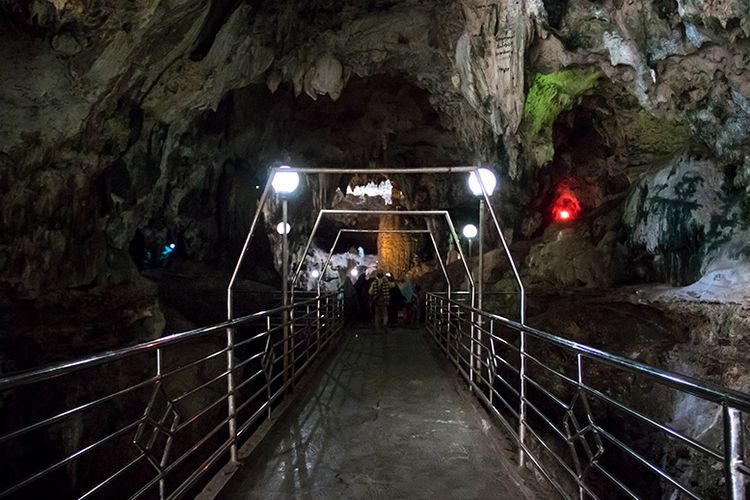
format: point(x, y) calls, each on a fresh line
point(162, 481)
point(579, 370)
point(733, 453)
point(268, 377)
point(231, 403)
point(522, 399)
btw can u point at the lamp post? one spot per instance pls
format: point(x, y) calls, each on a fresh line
point(284, 184)
point(470, 232)
point(486, 179)
point(480, 181)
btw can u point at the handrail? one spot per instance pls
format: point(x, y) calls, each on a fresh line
point(706, 390)
point(59, 369)
point(157, 390)
point(561, 416)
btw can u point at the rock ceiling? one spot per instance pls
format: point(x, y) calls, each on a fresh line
point(120, 117)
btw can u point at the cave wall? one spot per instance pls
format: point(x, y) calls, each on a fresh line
point(130, 126)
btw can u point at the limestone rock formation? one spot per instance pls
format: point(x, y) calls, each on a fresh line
point(688, 213)
point(396, 251)
point(136, 136)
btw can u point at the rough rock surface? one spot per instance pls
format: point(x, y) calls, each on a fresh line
point(688, 215)
point(128, 127)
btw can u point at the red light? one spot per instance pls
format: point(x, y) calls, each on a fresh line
point(566, 207)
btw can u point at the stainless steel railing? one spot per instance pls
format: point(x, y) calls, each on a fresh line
point(597, 425)
point(149, 421)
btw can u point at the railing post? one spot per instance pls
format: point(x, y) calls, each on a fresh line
point(307, 331)
point(579, 371)
point(472, 346)
point(292, 346)
point(522, 401)
point(318, 324)
point(285, 289)
point(324, 323)
point(448, 316)
point(733, 453)
point(452, 339)
point(162, 481)
point(480, 294)
point(231, 403)
point(268, 377)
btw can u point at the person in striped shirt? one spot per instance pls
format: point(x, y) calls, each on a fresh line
point(380, 297)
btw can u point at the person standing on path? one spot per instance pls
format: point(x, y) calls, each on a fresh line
point(380, 297)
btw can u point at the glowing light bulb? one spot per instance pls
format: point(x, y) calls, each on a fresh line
point(488, 180)
point(285, 182)
point(470, 231)
point(283, 230)
point(315, 274)
point(564, 215)
point(172, 246)
point(354, 272)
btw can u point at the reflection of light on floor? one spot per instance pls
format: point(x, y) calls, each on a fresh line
point(304, 450)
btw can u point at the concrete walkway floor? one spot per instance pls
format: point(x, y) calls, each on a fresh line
point(387, 419)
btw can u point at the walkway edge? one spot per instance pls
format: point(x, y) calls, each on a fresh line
point(225, 474)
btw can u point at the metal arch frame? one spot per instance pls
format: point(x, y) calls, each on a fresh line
point(403, 171)
point(386, 231)
point(424, 213)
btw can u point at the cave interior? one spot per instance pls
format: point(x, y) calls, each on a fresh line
point(136, 141)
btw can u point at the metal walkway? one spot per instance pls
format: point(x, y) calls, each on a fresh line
point(159, 419)
point(386, 419)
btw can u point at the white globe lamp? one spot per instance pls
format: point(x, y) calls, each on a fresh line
point(285, 182)
point(470, 231)
point(283, 228)
point(488, 180)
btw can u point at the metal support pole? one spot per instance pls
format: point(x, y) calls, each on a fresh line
point(285, 285)
point(579, 370)
point(469, 257)
point(480, 271)
point(733, 453)
point(162, 481)
point(522, 320)
point(522, 395)
point(268, 379)
point(472, 337)
point(516, 275)
point(231, 402)
point(480, 288)
point(245, 246)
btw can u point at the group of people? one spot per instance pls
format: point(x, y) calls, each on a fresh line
point(382, 300)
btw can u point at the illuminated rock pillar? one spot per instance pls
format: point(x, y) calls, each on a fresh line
point(395, 250)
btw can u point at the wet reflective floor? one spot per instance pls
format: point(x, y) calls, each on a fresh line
point(386, 419)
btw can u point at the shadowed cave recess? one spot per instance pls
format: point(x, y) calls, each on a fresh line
point(136, 139)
